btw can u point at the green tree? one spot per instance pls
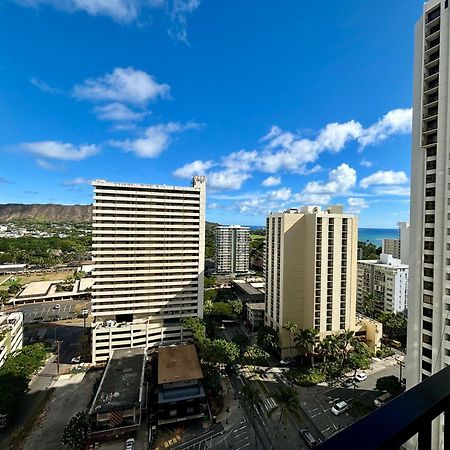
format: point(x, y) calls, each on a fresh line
point(242, 341)
point(267, 339)
point(394, 326)
point(256, 356)
point(389, 384)
point(287, 403)
point(210, 282)
point(4, 297)
point(368, 306)
point(291, 328)
point(76, 431)
point(222, 352)
point(236, 307)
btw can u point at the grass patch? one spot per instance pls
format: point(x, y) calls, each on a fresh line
point(256, 236)
point(305, 377)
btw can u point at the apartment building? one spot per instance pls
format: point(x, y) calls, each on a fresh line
point(311, 271)
point(399, 247)
point(11, 334)
point(148, 255)
point(232, 249)
point(385, 282)
point(429, 282)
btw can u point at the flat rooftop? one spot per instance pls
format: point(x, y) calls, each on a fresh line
point(85, 283)
point(259, 306)
point(37, 288)
point(122, 380)
point(178, 363)
point(247, 288)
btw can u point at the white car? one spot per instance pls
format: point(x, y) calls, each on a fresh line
point(57, 306)
point(361, 376)
point(129, 445)
point(76, 360)
point(339, 408)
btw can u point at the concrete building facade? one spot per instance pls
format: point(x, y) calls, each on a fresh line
point(232, 249)
point(398, 248)
point(11, 334)
point(311, 271)
point(148, 256)
point(386, 281)
point(429, 286)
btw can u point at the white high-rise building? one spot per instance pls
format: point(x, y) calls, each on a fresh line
point(386, 281)
point(429, 280)
point(232, 249)
point(311, 271)
point(11, 334)
point(148, 253)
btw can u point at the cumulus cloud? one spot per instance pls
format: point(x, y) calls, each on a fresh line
point(155, 139)
point(126, 85)
point(127, 11)
point(118, 112)
point(271, 181)
point(194, 168)
point(397, 121)
point(340, 181)
point(60, 150)
point(384, 177)
point(366, 163)
point(280, 194)
point(227, 180)
point(356, 204)
point(241, 160)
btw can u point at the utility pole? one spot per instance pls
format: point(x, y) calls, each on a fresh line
point(58, 344)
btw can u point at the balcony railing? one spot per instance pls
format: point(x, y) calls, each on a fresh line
point(409, 414)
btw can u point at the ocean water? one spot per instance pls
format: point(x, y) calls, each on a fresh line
point(376, 235)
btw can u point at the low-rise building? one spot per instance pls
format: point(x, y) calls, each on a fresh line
point(369, 331)
point(121, 396)
point(255, 314)
point(382, 285)
point(11, 334)
point(12, 268)
point(180, 391)
point(247, 292)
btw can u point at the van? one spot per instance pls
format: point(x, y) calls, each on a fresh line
point(396, 344)
point(382, 399)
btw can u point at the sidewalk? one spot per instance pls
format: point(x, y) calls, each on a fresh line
point(231, 413)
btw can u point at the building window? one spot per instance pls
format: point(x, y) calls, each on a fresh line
point(428, 326)
point(426, 366)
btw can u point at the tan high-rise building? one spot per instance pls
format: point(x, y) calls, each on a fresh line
point(311, 271)
point(429, 246)
point(148, 254)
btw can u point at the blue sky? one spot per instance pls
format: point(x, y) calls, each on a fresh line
point(279, 103)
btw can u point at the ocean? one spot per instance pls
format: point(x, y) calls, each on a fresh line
point(373, 235)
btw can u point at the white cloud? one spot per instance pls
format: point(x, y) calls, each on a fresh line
point(127, 11)
point(227, 180)
point(155, 140)
point(384, 177)
point(280, 194)
point(60, 150)
point(366, 163)
point(44, 87)
point(126, 85)
point(213, 205)
point(271, 181)
point(312, 199)
point(44, 164)
point(118, 112)
point(77, 181)
point(241, 160)
point(402, 191)
point(194, 168)
point(356, 204)
point(341, 180)
point(397, 121)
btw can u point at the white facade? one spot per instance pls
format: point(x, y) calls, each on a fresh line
point(386, 280)
point(429, 286)
point(11, 334)
point(311, 271)
point(148, 254)
point(232, 249)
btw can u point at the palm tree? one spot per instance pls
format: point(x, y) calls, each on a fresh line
point(327, 348)
point(291, 329)
point(345, 341)
point(286, 403)
point(306, 340)
point(368, 306)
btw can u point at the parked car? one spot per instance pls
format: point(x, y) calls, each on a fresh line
point(308, 438)
point(361, 376)
point(129, 445)
point(339, 408)
point(382, 399)
point(76, 360)
point(348, 383)
point(286, 361)
point(57, 306)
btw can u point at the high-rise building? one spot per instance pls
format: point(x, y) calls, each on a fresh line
point(398, 248)
point(382, 285)
point(11, 334)
point(148, 254)
point(311, 271)
point(232, 249)
point(429, 281)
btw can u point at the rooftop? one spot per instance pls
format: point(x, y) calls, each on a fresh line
point(122, 381)
point(178, 363)
point(36, 288)
point(247, 287)
point(259, 306)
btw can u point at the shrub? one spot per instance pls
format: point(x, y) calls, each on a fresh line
point(307, 378)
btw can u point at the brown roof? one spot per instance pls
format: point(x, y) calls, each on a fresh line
point(178, 363)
